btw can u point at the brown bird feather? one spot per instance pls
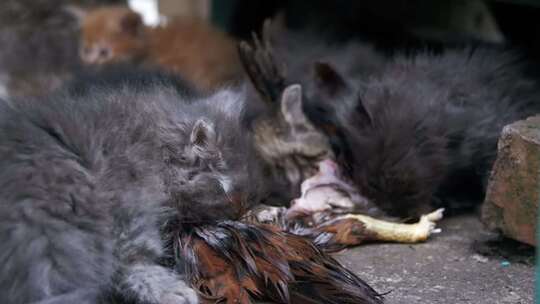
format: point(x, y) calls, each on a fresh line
point(332, 232)
point(266, 74)
point(235, 262)
point(329, 231)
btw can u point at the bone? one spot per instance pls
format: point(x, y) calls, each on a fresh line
point(398, 232)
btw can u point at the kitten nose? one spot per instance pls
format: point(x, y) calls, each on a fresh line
point(87, 55)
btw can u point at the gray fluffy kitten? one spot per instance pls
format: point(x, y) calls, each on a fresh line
point(89, 177)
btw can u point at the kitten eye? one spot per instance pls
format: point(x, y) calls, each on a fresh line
point(216, 167)
point(86, 53)
point(191, 175)
point(104, 53)
point(197, 162)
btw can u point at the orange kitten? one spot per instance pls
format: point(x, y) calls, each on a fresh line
point(192, 48)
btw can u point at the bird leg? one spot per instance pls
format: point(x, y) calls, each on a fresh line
point(333, 213)
point(334, 232)
point(380, 230)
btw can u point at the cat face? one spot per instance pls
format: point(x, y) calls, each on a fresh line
point(289, 141)
point(215, 175)
point(394, 143)
point(111, 34)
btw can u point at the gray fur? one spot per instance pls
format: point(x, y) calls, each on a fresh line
point(88, 180)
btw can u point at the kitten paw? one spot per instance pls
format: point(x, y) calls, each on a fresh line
point(182, 294)
point(157, 285)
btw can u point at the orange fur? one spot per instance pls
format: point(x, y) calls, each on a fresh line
point(190, 47)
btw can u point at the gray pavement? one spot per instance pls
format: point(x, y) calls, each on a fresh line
point(462, 264)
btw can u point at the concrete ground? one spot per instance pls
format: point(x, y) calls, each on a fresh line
point(462, 264)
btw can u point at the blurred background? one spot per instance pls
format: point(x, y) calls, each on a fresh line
point(39, 38)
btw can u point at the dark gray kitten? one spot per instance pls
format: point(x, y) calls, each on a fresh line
point(424, 129)
point(89, 177)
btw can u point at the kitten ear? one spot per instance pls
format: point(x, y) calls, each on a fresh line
point(328, 80)
point(131, 23)
point(203, 135)
point(291, 105)
point(363, 111)
point(77, 12)
point(333, 85)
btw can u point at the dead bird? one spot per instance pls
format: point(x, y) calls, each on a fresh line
point(328, 190)
point(332, 213)
point(234, 262)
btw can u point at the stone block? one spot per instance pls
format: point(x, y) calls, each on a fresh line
point(513, 192)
